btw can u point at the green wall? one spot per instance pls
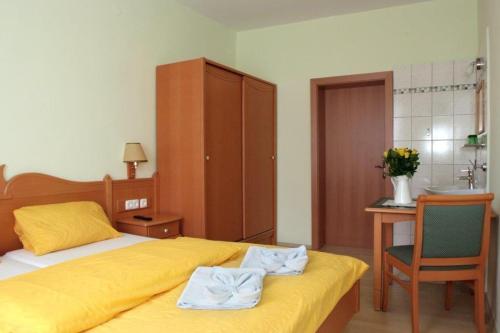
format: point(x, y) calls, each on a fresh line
point(78, 79)
point(290, 55)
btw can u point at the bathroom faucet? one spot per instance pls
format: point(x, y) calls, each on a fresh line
point(471, 174)
point(470, 177)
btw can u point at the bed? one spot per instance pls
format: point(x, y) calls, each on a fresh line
point(323, 299)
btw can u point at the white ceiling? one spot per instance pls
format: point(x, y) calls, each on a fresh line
point(250, 14)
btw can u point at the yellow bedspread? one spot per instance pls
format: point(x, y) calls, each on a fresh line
point(289, 304)
point(80, 294)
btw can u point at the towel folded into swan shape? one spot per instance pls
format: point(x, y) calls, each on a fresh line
point(217, 288)
point(277, 261)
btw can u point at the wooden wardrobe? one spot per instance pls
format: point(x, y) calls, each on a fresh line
point(216, 144)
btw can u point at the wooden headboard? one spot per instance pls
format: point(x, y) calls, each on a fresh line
point(37, 189)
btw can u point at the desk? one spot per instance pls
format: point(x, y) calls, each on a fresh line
point(383, 220)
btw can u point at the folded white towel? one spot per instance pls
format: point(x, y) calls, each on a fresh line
point(276, 261)
point(217, 288)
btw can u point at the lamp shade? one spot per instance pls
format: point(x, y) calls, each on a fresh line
point(134, 153)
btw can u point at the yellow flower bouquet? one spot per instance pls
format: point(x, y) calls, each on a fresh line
point(400, 162)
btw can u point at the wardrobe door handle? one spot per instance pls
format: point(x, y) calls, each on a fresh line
point(272, 157)
point(207, 157)
point(165, 230)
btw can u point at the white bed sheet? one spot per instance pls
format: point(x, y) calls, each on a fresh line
point(10, 268)
point(23, 256)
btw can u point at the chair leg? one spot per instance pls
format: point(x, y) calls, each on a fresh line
point(448, 297)
point(387, 281)
point(414, 305)
point(479, 305)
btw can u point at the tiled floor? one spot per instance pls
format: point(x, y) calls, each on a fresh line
point(434, 319)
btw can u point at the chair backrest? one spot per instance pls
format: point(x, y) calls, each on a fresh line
point(453, 228)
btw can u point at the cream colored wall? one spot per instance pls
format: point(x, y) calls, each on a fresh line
point(77, 79)
point(489, 46)
point(292, 54)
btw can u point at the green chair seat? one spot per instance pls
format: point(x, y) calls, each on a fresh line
point(404, 253)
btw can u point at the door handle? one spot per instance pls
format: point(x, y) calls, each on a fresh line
point(382, 168)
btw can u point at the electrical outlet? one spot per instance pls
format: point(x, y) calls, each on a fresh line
point(143, 203)
point(131, 204)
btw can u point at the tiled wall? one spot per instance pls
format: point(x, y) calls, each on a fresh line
point(434, 112)
point(434, 106)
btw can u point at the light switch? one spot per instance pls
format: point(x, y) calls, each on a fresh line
point(143, 203)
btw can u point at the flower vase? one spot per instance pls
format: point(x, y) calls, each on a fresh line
point(402, 193)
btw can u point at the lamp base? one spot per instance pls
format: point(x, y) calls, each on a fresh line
point(130, 170)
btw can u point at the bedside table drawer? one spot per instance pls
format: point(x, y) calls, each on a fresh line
point(164, 230)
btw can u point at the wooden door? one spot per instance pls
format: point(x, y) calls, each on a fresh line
point(258, 157)
point(223, 160)
point(354, 132)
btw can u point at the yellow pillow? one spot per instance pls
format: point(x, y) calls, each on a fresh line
point(47, 228)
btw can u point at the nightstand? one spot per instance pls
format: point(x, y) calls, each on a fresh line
point(162, 226)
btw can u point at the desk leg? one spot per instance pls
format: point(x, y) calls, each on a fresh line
point(387, 229)
point(377, 261)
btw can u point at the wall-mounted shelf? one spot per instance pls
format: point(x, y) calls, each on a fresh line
point(475, 145)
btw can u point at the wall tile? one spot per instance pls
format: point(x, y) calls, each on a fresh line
point(402, 228)
point(402, 128)
point(482, 155)
point(402, 105)
point(442, 174)
point(425, 151)
point(402, 239)
point(442, 152)
point(464, 102)
point(421, 104)
point(442, 103)
point(402, 143)
point(421, 128)
point(462, 155)
point(402, 77)
point(464, 125)
point(464, 72)
point(434, 114)
point(442, 128)
point(481, 178)
point(421, 179)
point(442, 73)
point(421, 75)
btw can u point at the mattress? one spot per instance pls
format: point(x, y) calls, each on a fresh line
point(10, 268)
point(23, 256)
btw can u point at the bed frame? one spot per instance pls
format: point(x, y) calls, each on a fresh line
point(37, 189)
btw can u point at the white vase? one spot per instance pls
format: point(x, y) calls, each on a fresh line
point(402, 193)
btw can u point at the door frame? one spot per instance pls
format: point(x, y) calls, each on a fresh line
point(318, 234)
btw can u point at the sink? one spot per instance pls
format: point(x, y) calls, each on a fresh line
point(453, 189)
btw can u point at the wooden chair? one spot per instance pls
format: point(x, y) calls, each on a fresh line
point(452, 235)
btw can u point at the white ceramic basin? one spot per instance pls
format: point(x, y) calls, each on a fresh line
point(453, 189)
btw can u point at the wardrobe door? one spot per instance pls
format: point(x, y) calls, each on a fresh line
point(258, 157)
point(223, 160)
